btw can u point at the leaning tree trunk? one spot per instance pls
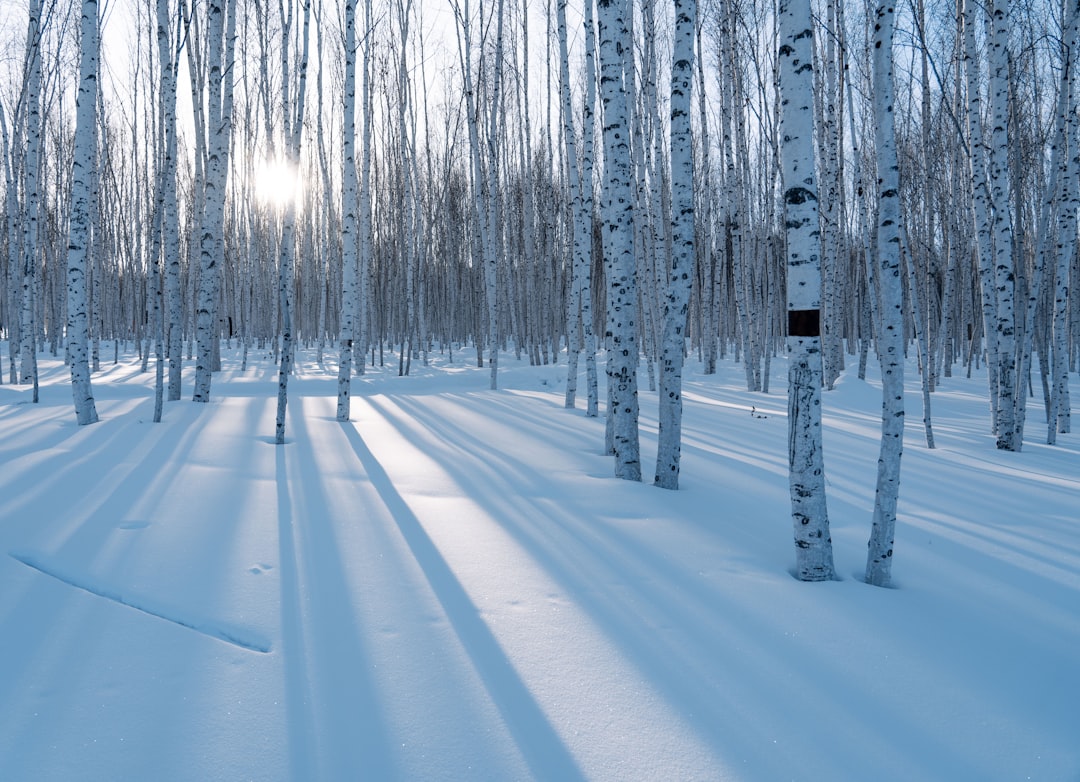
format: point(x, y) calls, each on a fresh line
point(813, 543)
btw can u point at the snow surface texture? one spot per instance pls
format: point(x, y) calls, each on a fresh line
point(453, 587)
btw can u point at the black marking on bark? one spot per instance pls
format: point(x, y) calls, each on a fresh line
point(798, 195)
point(804, 323)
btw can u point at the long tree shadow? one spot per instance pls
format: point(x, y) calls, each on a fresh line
point(629, 589)
point(544, 751)
point(336, 724)
point(76, 526)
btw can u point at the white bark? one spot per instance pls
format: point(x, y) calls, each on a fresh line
point(890, 340)
point(170, 216)
point(1000, 196)
point(294, 131)
point(981, 206)
point(579, 312)
point(408, 205)
point(491, 260)
point(681, 275)
point(733, 201)
point(14, 246)
point(348, 219)
point(831, 205)
point(211, 242)
point(813, 543)
point(84, 170)
point(618, 214)
point(1059, 420)
point(364, 271)
point(921, 337)
point(32, 199)
point(588, 128)
point(574, 324)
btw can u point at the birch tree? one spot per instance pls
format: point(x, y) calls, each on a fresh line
point(588, 127)
point(170, 231)
point(365, 191)
point(681, 275)
point(31, 199)
point(890, 340)
point(617, 212)
point(580, 334)
point(212, 242)
point(980, 204)
point(1059, 419)
point(14, 247)
point(167, 231)
point(294, 126)
point(1004, 278)
point(348, 218)
point(84, 169)
point(813, 543)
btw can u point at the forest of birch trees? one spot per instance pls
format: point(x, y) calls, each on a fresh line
point(834, 181)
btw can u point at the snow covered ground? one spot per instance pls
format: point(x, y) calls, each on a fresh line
point(453, 587)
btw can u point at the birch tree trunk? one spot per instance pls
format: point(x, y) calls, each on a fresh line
point(580, 334)
point(14, 246)
point(491, 261)
point(981, 208)
point(365, 196)
point(348, 218)
point(681, 276)
point(574, 320)
point(920, 326)
point(1059, 419)
point(831, 205)
point(84, 169)
point(165, 243)
point(588, 133)
point(813, 543)
point(211, 243)
point(170, 216)
point(618, 215)
point(890, 340)
point(1000, 196)
point(294, 126)
point(32, 200)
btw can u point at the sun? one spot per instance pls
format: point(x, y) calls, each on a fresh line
point(277, 184)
